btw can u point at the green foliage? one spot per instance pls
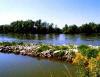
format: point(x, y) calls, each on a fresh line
point(29, 26)
point(65, 29)
point(39, 27)
point(59, 54)
point(81, 71)
point(81, 47)
point(92, 53)
point(87, 51)
point(10, 43)
point(60, 47)
point(98, 68)
point(43, 48)
point(88, 28)
point(73, 29)
point(85, 28)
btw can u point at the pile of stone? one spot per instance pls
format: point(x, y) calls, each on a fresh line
point(32, 51)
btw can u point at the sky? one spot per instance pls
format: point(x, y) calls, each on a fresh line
point(59, 12)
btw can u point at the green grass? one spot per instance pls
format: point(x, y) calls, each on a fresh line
point(43, 48)
point(60, 47)
point(10, 43)
point(87, 51)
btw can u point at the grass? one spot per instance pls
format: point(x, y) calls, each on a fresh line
point(60, 47)
point(11, 43)
point(88, 51)
point(43, 48)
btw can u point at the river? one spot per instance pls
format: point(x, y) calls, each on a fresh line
point(55, 39)
point(23, 66)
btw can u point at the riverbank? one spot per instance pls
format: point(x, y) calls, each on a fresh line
point(64, 52)
point(86, 56)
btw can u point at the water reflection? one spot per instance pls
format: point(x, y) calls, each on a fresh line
point(23, 66)
point(57, 39)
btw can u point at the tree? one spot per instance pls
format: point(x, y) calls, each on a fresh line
point(88, 28)
point(65, 29)
point(73, 29)
point(39, 27)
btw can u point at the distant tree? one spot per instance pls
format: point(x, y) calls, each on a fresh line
point(98, 28)
point(88, 28)
point(65, 29)
point(73, 29)
point(57, 30)
point(50, 28)
point(39, 27)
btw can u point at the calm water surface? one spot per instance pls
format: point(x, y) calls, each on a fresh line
point(23, 66)
point(60, 39)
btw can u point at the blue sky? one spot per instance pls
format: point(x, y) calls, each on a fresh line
point(59, 12)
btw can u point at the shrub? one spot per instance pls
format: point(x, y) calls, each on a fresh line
point(92, 53)
point(81, 47)
point(43, 48)
point(59, 54)
point(78, 57)
point(11, 43)
point(60, 47)
point(93, 67)
point(87, 51)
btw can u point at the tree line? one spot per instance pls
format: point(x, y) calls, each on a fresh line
point(39, 27)
point(29, 26)
point(84, 28)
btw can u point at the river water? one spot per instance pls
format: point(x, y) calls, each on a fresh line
point(56, 39)
point(23, 66)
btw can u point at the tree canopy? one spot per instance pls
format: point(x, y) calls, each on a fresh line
point(29, 26)
point(39, 27)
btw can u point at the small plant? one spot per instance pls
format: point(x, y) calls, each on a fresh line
point(78, 57)
point(10, 43)
point(83, 47)
point(71, 46)
point(92, 67)
point(87, 51)
point(92, 53)
point(63, 47)
point(43, 48)
point(60, 47)
point(59, 54)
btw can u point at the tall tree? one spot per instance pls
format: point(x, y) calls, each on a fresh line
point(65, 29)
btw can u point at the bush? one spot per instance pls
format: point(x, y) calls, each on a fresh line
point(59, 54)
point(81, 47)
point(92, 53)
point(60, 47)
point(43, 48)
point(11, 43)
point(87, 51)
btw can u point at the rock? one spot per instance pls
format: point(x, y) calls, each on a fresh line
point(56, 51)
point(23, 52)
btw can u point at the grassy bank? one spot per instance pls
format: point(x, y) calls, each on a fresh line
point(86, 57)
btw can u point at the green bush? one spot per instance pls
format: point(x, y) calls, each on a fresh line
point(59, 54)
point(10, 43)
point(43, 48)
point(92, 53)
point(87, 51)
point(83, 47)
point(60, 47)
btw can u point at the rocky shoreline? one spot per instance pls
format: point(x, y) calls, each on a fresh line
point(34, 51)
point(64, 52)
